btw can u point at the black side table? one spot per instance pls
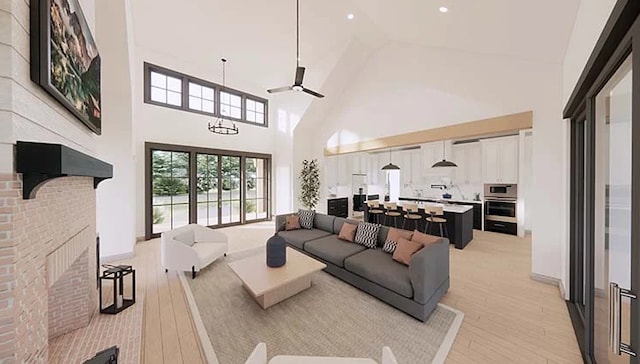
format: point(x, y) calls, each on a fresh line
point(116, 274)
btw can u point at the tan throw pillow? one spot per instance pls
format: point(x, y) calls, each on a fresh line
point(424, 239)
point(348, 232)
point(292, 223)
point(395, 234)
point(405, 250)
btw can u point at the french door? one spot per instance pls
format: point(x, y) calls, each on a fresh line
point(206, 186)
point(605, 195)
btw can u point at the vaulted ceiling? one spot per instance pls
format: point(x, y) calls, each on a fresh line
point(258, 36)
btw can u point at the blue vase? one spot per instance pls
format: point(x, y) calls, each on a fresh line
point(276, 251)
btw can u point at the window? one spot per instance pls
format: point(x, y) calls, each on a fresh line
point(230, 105)
point(255, 111)
point(201, 98)
point(164, 87)
point(206, 186)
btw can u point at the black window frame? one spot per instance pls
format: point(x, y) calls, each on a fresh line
point(187, 79)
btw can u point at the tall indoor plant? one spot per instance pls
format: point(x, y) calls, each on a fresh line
point(310, 184)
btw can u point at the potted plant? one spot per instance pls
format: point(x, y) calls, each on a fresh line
point(310, 184)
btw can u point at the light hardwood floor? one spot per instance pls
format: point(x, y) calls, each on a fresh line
point(509, 318)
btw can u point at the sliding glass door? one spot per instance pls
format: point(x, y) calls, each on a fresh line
point(205, 186)
point(170, 189)
point(605, 195)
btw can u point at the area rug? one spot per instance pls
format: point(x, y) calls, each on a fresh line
point(332, 318)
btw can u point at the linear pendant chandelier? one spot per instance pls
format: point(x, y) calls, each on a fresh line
point(390, 166)
point(444, 162)
point(222, 126)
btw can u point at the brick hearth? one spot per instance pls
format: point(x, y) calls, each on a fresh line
point(49, 237)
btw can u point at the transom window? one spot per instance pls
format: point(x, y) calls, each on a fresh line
point(165, 87)
point(255, 111)
point(201, 98)
point(230, 105)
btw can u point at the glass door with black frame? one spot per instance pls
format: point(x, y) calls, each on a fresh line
point(612, 218)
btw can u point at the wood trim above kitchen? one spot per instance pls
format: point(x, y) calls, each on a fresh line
point(486, 127)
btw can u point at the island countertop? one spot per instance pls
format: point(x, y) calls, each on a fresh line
point(456, 209)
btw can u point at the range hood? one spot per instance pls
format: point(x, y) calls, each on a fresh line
point(40, 162)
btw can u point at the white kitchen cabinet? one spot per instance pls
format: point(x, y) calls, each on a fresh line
point(417, 169)
point(500, 160)
point(358, 163)
point(337, 171)
point(404, 161)
point(468, 157)
point(431, 153)
point(330, 172)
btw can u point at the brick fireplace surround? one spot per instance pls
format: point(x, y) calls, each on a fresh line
point(47, 264)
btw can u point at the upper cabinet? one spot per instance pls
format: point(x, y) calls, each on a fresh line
point(411, 169)
point(468, 157)
point(500, 160)
point(337, 171)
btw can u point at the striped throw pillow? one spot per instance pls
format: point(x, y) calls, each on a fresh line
point(367, 234)
point(306, 218)
point(389, 246)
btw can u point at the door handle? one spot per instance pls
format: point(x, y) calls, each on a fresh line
point(615, 319)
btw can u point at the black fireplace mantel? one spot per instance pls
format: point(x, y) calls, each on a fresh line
point(40, 162)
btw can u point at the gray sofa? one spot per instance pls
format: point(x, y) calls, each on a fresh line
point(415, 289)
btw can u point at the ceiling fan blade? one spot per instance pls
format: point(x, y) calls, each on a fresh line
point(279, 89)
point(299, 75)
point(311, 92)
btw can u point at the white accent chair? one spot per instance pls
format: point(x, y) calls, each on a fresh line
point(259, 356)
point(191, 247)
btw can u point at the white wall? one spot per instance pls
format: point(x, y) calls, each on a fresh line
point(115, 197)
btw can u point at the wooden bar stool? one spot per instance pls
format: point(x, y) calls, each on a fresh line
point(374, 210)
point(391, 212)
point(412, 214)
point(435, 213)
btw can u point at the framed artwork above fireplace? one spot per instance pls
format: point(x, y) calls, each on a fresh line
point(65, 60)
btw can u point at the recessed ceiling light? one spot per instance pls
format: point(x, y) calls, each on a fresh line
point(350, 16)
point(443, 9)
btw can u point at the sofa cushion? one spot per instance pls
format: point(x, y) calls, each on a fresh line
point(378, 267)
point(337, 224)
point(382, 235)
point(324, 222)
point(297, 238)
point(367, 234)
point(187, 237)
point(332, 249)
point(306, 218)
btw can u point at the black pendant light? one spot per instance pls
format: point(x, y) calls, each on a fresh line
point(444, 162)
point(222, 126)
point(390, 166)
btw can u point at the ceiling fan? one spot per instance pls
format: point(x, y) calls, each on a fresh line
point(297, 83)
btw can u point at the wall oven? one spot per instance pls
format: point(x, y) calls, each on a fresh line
point(500, 208)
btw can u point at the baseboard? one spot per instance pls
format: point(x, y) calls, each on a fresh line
point(549, 280)
point(140, 239)
point(113, 258)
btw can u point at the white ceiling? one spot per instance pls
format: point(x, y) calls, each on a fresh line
point(258, 36)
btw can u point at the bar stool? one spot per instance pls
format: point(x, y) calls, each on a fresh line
point(434, 218)
point(374, 210)
point(391, 212)
point(412, 214)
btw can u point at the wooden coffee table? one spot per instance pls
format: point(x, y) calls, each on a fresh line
point(272, 285)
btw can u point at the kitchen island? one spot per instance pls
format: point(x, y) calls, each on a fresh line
point(459, 220)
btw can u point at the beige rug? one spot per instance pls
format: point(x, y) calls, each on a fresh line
point(332, 318)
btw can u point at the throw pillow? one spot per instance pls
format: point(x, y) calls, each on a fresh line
point(395, 234)
point(424, 239)
point(348, 232)
point(367, 234)
point(306, 218)
point(389, 246)
point(292, 222)
point(405, 250)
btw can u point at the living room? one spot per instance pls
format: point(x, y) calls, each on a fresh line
point(144, 154)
